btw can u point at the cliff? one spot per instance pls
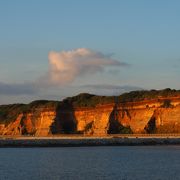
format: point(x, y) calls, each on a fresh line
point(134, 112)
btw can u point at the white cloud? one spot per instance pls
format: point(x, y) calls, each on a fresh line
point(66, 66)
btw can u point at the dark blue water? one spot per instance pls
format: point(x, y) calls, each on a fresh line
point(89, 163)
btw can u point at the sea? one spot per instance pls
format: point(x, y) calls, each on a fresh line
point(91, 163)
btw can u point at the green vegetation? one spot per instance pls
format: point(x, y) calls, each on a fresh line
point(117, 128)
point(167, 104)
point(9, 113)
point(148, 95)
point(88, 100)
point(125, 130)
point(40, 104)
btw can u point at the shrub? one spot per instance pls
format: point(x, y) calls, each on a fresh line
point(167, 104)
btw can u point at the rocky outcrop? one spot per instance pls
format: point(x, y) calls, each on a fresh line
point(35, 123)
point(151, 117)
point(93, 120)
point(156, 115)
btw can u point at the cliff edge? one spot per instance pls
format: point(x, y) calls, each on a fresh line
point(135, 112)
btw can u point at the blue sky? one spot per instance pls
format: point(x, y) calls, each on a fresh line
point(142, 34)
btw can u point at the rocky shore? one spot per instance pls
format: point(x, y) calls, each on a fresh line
point(87, 141)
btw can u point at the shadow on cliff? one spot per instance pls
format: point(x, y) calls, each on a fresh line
point(156, 125)
point(65, 121)
point(115, 127)
point(151, 126)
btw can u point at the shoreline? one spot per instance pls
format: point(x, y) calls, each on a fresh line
point(86, 141)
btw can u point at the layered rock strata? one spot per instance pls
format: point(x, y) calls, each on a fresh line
point(158, 115)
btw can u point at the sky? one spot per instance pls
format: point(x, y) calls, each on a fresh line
point(51, 49)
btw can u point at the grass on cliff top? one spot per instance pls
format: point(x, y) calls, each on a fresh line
point(148, 95)
point(90, 100)
point(9, 113)
point(42, 104)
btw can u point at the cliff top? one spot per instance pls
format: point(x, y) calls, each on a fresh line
point(10, 112)
point(90, 100)
point(134, 96)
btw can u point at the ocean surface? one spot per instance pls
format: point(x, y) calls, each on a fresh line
point(90, 163)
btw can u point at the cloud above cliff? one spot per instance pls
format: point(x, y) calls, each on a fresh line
point(64, 68)
point(67, 66)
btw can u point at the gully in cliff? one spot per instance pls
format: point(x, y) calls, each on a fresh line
point(137, 112)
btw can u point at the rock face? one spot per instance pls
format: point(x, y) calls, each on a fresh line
point(37, 123)
point(158, 115)
point(151, 117)
point(93, 120)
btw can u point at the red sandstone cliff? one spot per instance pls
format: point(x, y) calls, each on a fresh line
point(157, 115)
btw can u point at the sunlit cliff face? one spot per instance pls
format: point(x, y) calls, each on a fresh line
point(147, 116)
